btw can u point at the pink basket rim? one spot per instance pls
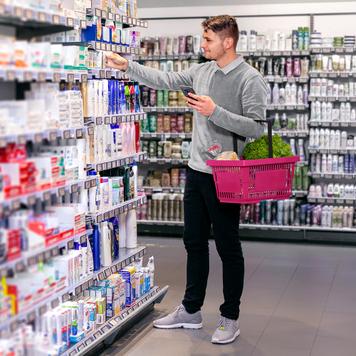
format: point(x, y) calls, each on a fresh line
point(252, 162)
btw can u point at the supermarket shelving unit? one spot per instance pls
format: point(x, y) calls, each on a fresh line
point(27, 24)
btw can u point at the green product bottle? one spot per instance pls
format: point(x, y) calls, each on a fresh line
point(160, 97)
point(165, 98)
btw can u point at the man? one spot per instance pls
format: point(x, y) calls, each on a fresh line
point(230, 95)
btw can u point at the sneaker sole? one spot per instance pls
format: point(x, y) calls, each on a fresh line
point(179, 326)
point(229, 340)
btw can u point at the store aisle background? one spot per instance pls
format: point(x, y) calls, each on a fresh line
point(299, 300)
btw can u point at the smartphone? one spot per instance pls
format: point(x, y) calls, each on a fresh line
point(186, 90)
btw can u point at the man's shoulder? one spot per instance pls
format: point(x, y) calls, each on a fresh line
point(249, 72)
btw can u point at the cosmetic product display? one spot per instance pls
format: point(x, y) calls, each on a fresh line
point(71, 263)
point(279, 41)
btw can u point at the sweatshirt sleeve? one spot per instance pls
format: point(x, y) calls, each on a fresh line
point(157, 79)
point(254, 105)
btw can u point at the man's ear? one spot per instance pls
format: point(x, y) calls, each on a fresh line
point(228, 43)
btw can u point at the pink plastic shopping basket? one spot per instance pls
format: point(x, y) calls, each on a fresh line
point(250, 181)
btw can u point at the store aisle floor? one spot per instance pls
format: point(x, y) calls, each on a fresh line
point(299, 300)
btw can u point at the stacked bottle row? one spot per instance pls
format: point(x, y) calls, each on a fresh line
point(330, 88)
point(163, 207)
point(110, 191)
point(169, 46)
point(289, 94)
point(331, 139)
point(165, 123)
point(286, 121)
point(162, 98)
point(329, 112)
point(170, 65)
point(110, 142)
point(333, 190)
point(281, 66)
point(175, 177)
point(333, 63)
point(346, 41)
point(332, 164)
point(110, 97)
point(46, 107)
point(293, 213)
point(170, 149)
point(279, 41)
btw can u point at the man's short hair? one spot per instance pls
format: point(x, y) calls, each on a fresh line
point(223, 25)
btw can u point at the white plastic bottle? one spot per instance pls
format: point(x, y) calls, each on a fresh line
point(329, 112)
point(312, 112)
point(337, 139)
point(342, 112)
point(327, 138)
point(316, 138)
point(301, 149)
point(332, 139)
point(324, 163)
point(151, 268)
point(312, 138)
point(275, 94)
point(288, 93)
point(323, 111)
point(293, 94)
point(131, 229)
point(329, 167)
point(321, 138)
point(347, 112)
point(343, 139)
point(317, 111)
point(353, 115)
point(300, 96)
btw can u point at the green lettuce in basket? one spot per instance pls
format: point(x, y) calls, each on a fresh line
point(258, 149)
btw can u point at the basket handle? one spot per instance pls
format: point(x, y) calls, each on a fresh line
point(269, 134)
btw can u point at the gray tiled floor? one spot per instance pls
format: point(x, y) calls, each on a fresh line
point(299, 300)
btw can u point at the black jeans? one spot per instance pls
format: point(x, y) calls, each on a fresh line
point(201, 210)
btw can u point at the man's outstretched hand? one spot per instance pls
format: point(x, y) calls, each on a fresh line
point(114, 60)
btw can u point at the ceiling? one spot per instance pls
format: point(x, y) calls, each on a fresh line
point(175, 3)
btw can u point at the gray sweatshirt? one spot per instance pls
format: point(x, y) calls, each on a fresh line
point(239, 92)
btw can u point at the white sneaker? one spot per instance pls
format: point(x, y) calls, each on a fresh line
point(180, 318)
point(227, 331)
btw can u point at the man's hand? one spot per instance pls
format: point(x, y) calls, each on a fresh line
point(114, 60)
point(201, 103)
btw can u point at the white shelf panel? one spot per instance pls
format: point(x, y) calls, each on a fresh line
point(341, 99)
point(43, 75)
point(118, 209)
point(324, 200)
point(125, 20)
point(118, 162)
point(38, 137)
point(280, 79)
point(332, 150)
point(116, 118)
point(315, 123)
point(166, 161)
point(274, 53)
point(332, 74)
point(333, 175)
point(168, 109)
point(166, 135)
point(288, 107)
